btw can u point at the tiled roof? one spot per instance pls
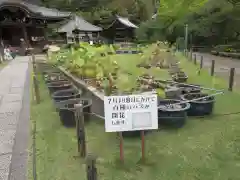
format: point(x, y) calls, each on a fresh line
point(126, 22)
point(43, 11)
point(80, 24)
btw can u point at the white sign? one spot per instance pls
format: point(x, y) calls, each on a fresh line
point(131, 112)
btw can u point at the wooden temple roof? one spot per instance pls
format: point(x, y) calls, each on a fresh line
point(78, 23)
point(35, 10)
point(124, 21)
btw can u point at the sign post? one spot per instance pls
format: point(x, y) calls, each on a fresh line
point(121, 147)
point(143, 145)
point(131, 113)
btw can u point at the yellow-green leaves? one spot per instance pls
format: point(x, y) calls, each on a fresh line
point(125, 82)
point(80, 62)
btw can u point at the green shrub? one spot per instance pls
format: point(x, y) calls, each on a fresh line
point(150, 31)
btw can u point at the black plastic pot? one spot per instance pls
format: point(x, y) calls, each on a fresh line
point(119, 52)
point(66, 94)
point(199, 107)
point(188, 88)
point(146, 76)
point(59, 79)
point(170, 115)
point(54, 77)
point(162, 66)
point(158, 84)
point(173, 71)
point(146, 66)
point(57, 86)
point(67, 110)
point(42, 66)
point(136, 52)
point(180, 77)
point(51, 71)
point(146, 80)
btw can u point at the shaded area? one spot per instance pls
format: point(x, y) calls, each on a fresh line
point(35, 9)
point(23, 25)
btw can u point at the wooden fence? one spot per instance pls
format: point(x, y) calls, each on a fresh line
point(193, 58)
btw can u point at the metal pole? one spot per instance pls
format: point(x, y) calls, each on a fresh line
point(186, 37)
point(204, 88)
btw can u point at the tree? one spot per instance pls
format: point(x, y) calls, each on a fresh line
point(98, 10)
point(209, 22)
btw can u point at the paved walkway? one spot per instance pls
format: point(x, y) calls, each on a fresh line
point(222, 66)
point(14, 119)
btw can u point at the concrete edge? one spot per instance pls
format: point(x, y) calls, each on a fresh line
point(89, 92)
point(18, 167)
point(82, 83)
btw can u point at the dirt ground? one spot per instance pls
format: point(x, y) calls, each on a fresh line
point(222, 66)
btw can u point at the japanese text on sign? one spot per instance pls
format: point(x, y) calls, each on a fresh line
point(130, 113)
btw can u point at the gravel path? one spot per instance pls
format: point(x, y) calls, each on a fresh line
point(222, 66)
point(14, 119)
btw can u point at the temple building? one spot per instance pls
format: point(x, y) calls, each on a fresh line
point(22, 21)
point(77, 29)
point(121, 29)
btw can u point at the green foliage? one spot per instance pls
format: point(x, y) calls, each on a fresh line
point(127, 83)
point(209, 22)
point(87, 62)
point(102, 11)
